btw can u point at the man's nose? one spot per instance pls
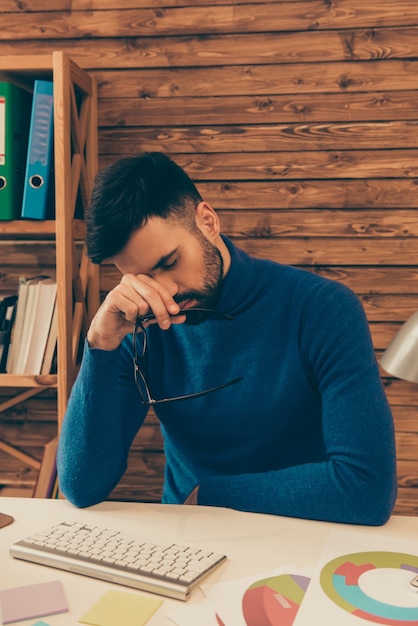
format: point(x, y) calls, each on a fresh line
point(169, 283)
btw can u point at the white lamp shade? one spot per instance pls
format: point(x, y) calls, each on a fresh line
point(401, 356)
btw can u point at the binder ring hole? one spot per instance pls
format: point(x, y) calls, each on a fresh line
point(36, 181)
point(3, 182)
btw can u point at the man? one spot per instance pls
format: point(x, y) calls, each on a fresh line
point(287, 413)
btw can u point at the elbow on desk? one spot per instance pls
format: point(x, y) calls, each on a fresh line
point(81, 493)
point(80, 498)
point(84, 485)
point(372, 507)
point(366, 492)
point(375, 515)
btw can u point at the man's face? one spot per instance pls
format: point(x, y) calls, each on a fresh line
point(187, 263)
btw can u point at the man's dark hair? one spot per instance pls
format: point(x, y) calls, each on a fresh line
point(128, 192)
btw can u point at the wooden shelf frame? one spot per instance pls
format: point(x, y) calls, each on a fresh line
point(75, 146)
point(32, 228)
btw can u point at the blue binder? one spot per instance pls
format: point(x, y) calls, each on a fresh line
point(38, 193)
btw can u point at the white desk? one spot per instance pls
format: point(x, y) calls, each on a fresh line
point(254, 543)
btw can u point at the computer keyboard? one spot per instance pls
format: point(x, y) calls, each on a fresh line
point(169, 570)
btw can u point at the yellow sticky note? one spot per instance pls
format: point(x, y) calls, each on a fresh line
point(118, 608)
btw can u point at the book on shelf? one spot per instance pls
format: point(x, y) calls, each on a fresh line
point(51, 344)
point(15, 112)
point(7, 313)
point(34, 315)
point(40, 327)
point(32, 289)
point(38, 190)
point(16, 333)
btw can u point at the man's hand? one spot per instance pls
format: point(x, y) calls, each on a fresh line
point(192, 497)
point(134, 296)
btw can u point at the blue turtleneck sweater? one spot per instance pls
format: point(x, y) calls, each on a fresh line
point(307, 432)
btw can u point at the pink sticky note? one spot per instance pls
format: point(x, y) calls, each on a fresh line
point(30, 601)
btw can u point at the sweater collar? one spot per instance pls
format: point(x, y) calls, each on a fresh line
point(238, 281)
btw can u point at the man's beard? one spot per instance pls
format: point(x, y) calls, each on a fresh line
point(208, 296)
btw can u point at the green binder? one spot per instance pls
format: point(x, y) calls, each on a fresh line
point(15, 112)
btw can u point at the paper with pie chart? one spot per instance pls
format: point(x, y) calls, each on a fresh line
point(363, 578)
point(272, 598)
point(269, 598)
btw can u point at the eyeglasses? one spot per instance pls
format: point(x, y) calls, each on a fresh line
point(140, 336)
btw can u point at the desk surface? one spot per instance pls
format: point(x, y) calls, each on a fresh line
point(254, 543)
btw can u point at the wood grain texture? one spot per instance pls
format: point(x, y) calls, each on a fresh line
point(229, 80)
point(308, 15)
point(360, 107)
point(212, 50)
point(260, 138)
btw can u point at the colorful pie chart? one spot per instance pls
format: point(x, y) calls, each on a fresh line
point(274, 601)
point(340, 580)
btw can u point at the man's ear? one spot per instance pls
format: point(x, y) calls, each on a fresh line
point(207, 221)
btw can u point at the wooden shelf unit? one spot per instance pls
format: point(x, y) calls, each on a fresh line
point(75, 165)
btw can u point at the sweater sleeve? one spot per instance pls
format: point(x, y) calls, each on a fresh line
point(356, 481)
point(104, 413)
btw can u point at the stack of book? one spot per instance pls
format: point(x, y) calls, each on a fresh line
point(31, 340)
point(26, 151)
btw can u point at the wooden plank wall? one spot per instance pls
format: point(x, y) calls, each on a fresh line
point(297, 119)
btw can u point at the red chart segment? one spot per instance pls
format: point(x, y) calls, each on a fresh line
point(274, 601)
